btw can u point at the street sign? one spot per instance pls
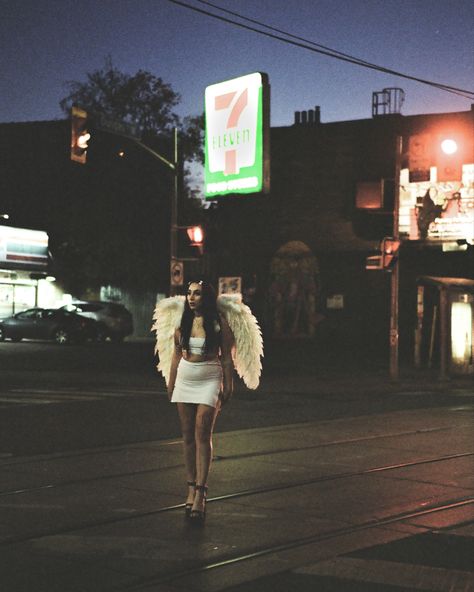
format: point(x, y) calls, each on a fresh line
point(120, 128)
point(374, 262)
point(230, 285)
point(177, 273)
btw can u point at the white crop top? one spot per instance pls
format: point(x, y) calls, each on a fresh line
point(196, 345)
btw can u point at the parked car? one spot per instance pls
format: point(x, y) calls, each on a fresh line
point(114, 320)
point(58, 325)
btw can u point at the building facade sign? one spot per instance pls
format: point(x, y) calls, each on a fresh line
point(437, 211)
point(237, 136)
point(21, 248)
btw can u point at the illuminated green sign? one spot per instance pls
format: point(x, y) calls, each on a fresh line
point(237, 134)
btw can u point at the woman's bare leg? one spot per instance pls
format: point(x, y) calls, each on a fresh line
point(204, 425)
point(187, 416)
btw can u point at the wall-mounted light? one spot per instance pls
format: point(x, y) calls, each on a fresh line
point(449, 146)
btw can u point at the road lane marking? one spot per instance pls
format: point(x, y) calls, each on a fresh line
point(30, 396)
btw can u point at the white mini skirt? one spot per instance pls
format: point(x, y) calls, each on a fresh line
point(198, 382)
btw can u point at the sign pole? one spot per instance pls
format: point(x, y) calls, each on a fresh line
point(395, 275)
point(174, 214)
point(126, 131)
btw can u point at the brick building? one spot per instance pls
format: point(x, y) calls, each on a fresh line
point(301, 249)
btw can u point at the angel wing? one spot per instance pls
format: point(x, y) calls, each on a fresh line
point(167, 317)
point(248, 338)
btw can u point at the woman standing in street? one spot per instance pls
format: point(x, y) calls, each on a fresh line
point(200, 382)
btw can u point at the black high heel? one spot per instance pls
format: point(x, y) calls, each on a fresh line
point(188, 507)
point(197, 517)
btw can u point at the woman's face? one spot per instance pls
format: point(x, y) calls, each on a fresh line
point(194, 296)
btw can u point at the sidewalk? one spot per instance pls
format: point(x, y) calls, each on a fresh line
point(288, 367)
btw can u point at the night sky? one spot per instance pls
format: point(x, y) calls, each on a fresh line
point(45, 43)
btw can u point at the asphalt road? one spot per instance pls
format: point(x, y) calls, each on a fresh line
point(56, 398)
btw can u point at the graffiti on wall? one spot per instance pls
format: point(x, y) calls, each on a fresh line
point(294, 291)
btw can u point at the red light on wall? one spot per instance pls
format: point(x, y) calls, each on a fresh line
point(369, 195)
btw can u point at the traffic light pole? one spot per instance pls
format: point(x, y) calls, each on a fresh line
point(174, 213)
point(174, 166)
point(110, 127)
point(395, 275)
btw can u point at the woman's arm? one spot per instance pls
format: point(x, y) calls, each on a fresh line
point(226, 361)
point(177, 354)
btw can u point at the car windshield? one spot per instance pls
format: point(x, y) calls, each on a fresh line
point(87, 307)
point(28, 314)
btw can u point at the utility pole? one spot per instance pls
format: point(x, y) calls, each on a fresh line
point(395, 275)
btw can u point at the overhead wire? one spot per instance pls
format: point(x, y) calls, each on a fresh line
point(325, 47)
point(338, 54)
point(312, 46)
point(250, 20)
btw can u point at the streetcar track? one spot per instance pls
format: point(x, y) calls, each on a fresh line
point(230, 496)
point(241, 456)
point(15, 461)
point(18, 461)
point(146, 581)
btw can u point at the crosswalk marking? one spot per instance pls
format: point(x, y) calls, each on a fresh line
point(391, 573)
point(432, 561)
point(21, 397)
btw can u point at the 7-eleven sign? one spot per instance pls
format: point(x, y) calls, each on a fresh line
point(236, 136)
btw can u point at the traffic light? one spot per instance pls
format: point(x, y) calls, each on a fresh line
point(80, 135)
point(196, 236)
point(449, 157)
point(389, 248)
point(387, 256)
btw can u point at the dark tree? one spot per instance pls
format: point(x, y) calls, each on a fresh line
point(142, 100)
point(119, 214)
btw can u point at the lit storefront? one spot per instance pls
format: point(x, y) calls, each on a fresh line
point(24, 278)
point(436, 209)
point(438, 212)
point(446, 323)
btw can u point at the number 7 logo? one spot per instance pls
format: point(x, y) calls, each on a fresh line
point(224, 102)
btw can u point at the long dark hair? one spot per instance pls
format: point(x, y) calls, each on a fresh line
point(210, 315)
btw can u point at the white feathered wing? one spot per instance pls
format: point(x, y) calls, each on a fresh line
point(248, 349)
point(167, 318)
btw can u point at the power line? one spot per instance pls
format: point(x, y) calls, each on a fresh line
point(314, 47)
point(335, 52)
